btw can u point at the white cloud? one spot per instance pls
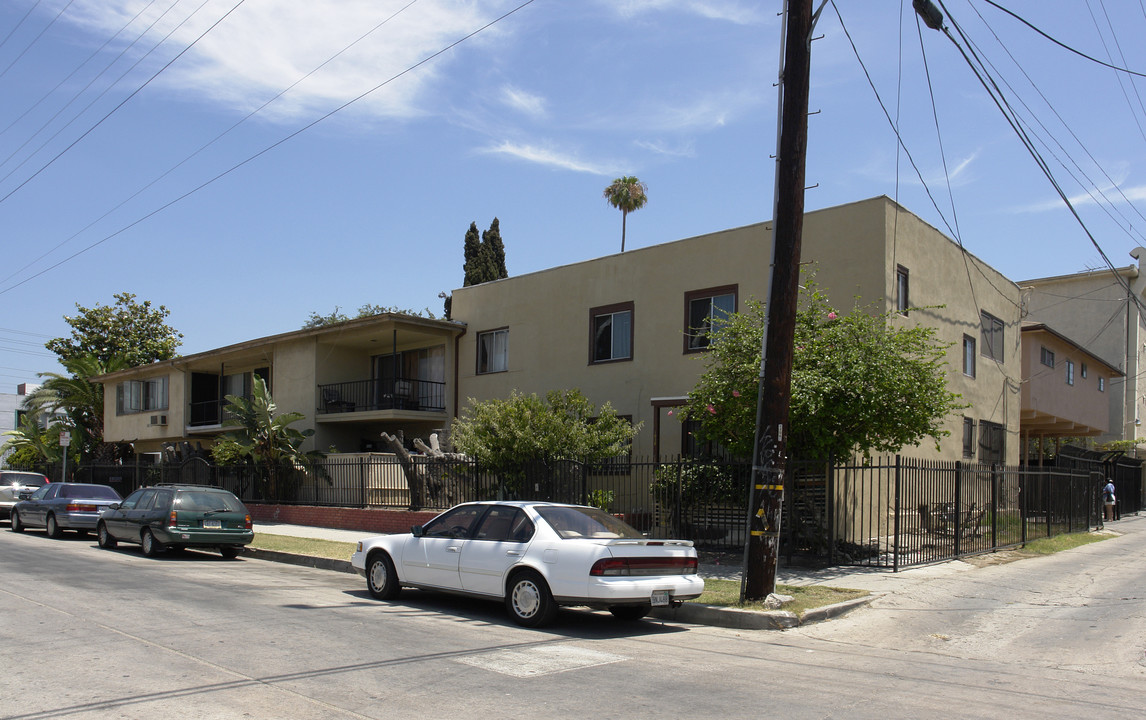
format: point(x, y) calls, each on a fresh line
point(661, 148)
point(1106, 194)
point(734, 12)
point(528, 103)
point(546, 156)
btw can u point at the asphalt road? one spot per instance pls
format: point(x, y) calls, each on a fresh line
point(92, 633)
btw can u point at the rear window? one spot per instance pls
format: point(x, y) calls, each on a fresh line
point(25, 479)
point(88, 492)
point(586, 522)
point(199, 501)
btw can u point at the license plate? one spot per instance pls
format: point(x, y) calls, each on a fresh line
point(212, 524)
point(660, 598)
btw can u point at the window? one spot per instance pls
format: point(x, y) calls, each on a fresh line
point(493, 351)
point(704, 311)
point(1046, 357)
point(611, 333)
point(968, 356)
point(1070, 372)
point(901, 300)
point(136, 396)
point(992, 337)
point(968, 437)
point(1082, 370)
point(992, 442)
point(1101, 384)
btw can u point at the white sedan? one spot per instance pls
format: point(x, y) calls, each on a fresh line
point(536, 556)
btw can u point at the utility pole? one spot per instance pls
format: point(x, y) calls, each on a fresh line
point(775, 389)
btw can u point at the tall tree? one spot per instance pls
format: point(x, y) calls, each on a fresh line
point(493, 251)
point(133, 332)
point(859, 382)
point(627, 194)
point(474, 273)
point(80, 401)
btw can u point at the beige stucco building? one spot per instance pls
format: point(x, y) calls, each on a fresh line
point(618, 327)
point(1102, 311)
point(627, 329)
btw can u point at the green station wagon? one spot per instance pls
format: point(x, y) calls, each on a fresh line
point(176, 517)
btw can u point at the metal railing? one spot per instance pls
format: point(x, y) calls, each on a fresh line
point(389, 394)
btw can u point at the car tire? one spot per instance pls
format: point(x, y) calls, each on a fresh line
point(629, 613)
point(381, 577)
point(52, 527)
point(229, 551)
point(151, 546)
point(14, 518)
point(528, 599)
point(104, 538)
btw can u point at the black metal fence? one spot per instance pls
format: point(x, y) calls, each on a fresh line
point(892, 512)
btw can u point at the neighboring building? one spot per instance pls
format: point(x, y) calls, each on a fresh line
point(352, 381)
point(629, 328)
point(1066, 389)
point(1102, 310)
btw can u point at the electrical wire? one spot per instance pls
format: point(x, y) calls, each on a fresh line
point(273, 145)
point(35, 39)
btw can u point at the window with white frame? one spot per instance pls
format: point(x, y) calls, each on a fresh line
point(1101, 384)
point(493, 351)
point(901, 298)
point(1070, 372)
point(704, 311)
point(611, 333)
point(1046, 357)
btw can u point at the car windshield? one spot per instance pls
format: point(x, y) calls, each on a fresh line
point(586, 522)
point(199, 501)
point(88, 492)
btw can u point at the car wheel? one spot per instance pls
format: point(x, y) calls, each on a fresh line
point(104, 538)
point(14, 518)
point(629, 613)
point(381, 578)
point(151, 546)
point(528, 600)
point(53, 527)
point(229, 551)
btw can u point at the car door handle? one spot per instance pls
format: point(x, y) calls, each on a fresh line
point(512, 553)
point(453, 548)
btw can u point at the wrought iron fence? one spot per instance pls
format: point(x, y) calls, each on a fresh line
point(891, 512)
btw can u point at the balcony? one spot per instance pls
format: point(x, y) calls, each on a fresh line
point(384, 394)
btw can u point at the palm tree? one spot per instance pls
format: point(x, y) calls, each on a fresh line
point(79, 400)
point(627, 194)
point(262, 437)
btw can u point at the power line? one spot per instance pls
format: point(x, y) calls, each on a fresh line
point(274, 145)
point(35, 39)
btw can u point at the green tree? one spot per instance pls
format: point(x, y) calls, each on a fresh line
point(337, 316)
point(472, 251)
point(30, 444)
point(263, 438)
point(859, 383)
point(504, 435)
point(133, 332)
point(484, 258)
point(80, 401)
point(627, 194)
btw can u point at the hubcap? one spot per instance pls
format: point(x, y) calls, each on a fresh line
point(526, 598)
point(378, 575)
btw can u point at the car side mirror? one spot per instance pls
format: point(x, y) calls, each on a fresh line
point(417, 531)
point(113, 506)
point(24, 494)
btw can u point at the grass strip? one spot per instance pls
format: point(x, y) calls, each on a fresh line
point(726, 593)
point(304, 546)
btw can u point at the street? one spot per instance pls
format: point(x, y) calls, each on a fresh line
point(92, 633)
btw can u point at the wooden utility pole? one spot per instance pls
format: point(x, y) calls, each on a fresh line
point(769, 454)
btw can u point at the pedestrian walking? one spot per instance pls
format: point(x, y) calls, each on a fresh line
point(1108, 500)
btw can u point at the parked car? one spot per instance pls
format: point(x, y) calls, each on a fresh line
point(62, 506)
point(14, 482)
point(535, 556)
point(177, 517)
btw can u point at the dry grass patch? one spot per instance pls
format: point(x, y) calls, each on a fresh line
point(304, 546)
point(726, 593)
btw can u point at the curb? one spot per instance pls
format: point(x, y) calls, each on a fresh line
point(694, 613)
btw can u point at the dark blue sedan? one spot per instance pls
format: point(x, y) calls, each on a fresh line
point(63, 506)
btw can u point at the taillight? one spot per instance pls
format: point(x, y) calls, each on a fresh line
point(609, 567)
point(247, 523)
point(76, 507)
point(172, 519)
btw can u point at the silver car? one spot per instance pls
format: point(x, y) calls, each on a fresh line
point(14, 482)
point(63, 506)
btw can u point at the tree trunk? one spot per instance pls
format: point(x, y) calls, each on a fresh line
point(414, 479)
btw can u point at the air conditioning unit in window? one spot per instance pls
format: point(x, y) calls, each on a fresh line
point(158, 421)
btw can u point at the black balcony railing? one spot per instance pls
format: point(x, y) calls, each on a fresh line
point(388, 394)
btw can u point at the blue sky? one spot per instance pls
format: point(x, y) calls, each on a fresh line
point(112, 111)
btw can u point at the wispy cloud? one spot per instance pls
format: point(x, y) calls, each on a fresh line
point(734, 12)
point(1108, 193)
point(528, 103)
point(684, 149)
point(546, 156)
